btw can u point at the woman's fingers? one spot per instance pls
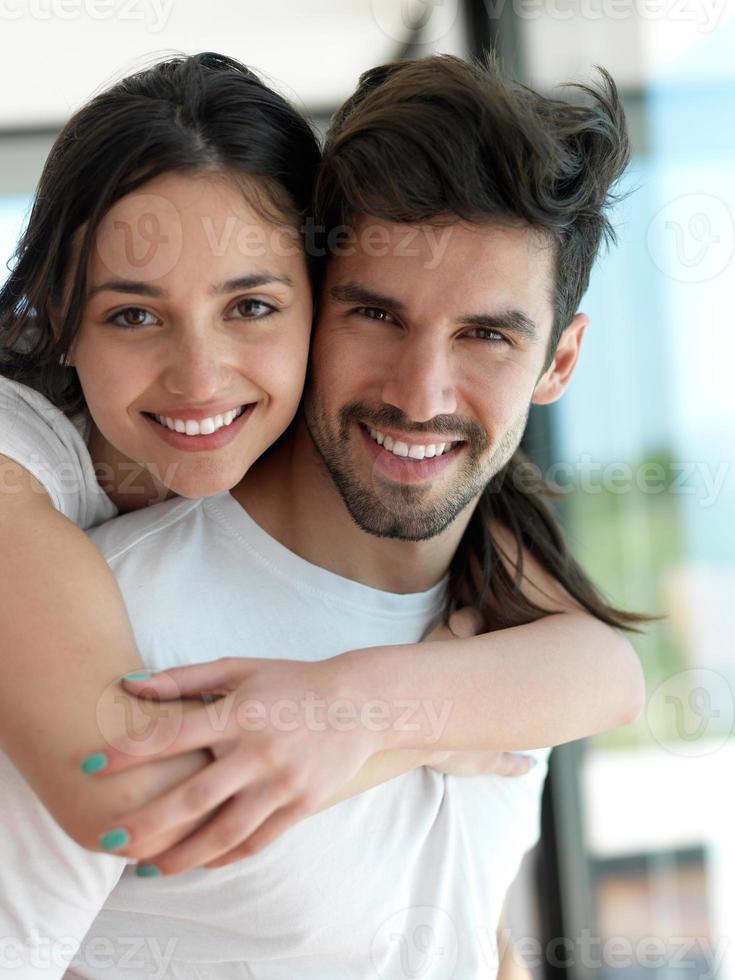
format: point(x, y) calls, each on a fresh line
point(168, 731)
point(484, 763)
point(269, 830)
point(462, 624)
point(197, 796)
point(212, 677)
point(466, 622)
point(231, 827)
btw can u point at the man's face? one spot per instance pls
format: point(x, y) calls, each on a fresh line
point(428, 350)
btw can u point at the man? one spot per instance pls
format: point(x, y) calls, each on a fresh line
point(463, 219)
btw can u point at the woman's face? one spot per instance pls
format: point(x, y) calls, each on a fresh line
point(194, 338)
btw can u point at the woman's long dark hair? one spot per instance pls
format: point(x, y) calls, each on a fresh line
point(206, 112)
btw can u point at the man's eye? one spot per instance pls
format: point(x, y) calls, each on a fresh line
point(131, 317)
point(485, 333)
point(373, 313)
point(253, 309)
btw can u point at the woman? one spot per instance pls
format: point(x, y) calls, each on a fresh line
point(164, 235)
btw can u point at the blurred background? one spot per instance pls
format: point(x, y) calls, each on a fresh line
point(635, 872)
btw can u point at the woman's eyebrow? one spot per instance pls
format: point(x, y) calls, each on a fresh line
point(251, 282)
point(230, 286)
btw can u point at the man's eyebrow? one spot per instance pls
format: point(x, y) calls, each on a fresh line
point(513, 321)
point(133, 287)
point(353, 292)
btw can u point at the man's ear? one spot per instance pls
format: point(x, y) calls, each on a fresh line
point(553, 381)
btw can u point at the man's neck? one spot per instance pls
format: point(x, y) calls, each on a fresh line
point(291, 495)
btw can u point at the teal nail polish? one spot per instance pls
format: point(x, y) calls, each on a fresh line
point(138, 675)
point(94, 762)
point(113, 839)
point(147, 871)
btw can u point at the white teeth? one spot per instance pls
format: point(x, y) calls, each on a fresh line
point(402, 449)
point(204, 427)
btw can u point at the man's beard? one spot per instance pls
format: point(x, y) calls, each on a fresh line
point(388, 509)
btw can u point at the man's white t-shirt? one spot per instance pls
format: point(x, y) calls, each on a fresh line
point(405, 880)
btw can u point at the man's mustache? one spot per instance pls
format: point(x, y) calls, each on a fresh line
point(454, 427)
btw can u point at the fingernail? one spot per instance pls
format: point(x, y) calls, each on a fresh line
point(138, 675)
point(147, 870)
point(94, 762)
point(113, 839)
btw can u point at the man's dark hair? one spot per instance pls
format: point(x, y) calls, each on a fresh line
point(434, 137)
point(437, 139)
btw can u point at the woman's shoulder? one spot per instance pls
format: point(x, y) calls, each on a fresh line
point(40, 437)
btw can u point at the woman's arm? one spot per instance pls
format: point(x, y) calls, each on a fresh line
point(65, 641)
point(535, 686)
point(563, 677)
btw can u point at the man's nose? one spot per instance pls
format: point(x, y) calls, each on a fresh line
point(196, 367)
point(421, 382)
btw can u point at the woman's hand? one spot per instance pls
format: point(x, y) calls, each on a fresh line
point(481, 763)
point(283, 741)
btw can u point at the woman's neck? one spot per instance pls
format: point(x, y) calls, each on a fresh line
point(129, 485)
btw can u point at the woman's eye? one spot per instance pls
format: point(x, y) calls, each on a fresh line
point(373, 313)
point(253, 309)
point(131, 317)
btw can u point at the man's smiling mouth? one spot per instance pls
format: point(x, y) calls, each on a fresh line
point(423, 450)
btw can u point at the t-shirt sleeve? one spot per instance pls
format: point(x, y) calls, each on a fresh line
point(38, 436)
point(51, 889)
